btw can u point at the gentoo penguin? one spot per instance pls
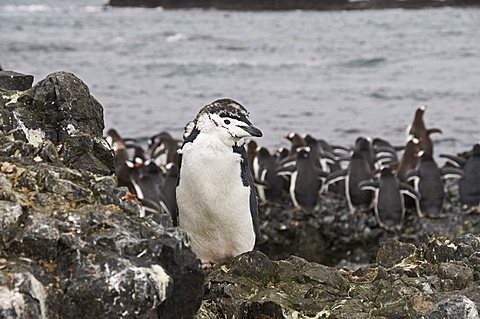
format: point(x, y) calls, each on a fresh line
point(269, 184)
point(281, 153)
point(121, 162)
point(324, 160)
point(147, 180)
point(358, 170)
point(167, 191)
point(409, 158)
point(388, 201)
point(306, 181)
point(296, 140)
point(428, 183)
point(469, 185)
point(363, 145)
point(420, 131)
point(216, 198)
point(385, 153)
point(162, 149)
point(251, 153)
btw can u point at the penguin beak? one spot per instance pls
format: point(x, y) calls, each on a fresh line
point(251, 130)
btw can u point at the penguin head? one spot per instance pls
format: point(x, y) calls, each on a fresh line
point(386, 171)
point(425, 156)
point(226, 119)
point(476, 150)
point(303, 152)
point(295, 138)
point(363, 144)
point(310, 140)
point(263, 152)
point(281, 153)
point(252, 146)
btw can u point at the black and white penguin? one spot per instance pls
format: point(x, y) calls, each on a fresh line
point(251, 153)
point(216, 198)
point(296, 140)
point(469, 185)
point(162, 149)
point(427, 179)
point(167, 191)
point(306, 181)
point(147, 180)
point(358, 170)
point(385, 153)
point(281, 153)
point(420, 131)
point(388, 201)
point(122, 163)
point(269, 183)
point(363, 145)
point(409, 158)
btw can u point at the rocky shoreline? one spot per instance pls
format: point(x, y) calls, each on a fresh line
point(73, 244)
point(282, 5)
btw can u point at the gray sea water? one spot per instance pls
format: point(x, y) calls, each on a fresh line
point(336, 75)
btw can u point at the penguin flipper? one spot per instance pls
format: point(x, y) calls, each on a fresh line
point(434, 130)
point(407, 189)
point(336, 176)
point(451, 172)
point(248, 181)
point(385, 149)
point(368, 185)
point(454, 160)
point(412, 175)
point(321, 175)
point(285, 170)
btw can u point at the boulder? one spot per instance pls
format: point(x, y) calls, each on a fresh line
point(61, 110)
point(73, 244)
point(10, 80)
point(253, 286)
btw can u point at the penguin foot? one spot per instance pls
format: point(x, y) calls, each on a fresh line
point(297, 209)
point(207, 264)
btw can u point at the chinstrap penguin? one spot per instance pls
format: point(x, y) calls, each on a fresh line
point(216, 198)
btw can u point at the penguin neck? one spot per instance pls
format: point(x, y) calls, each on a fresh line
point(219, 141)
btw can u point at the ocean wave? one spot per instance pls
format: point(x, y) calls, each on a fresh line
point(177, 37)
point(33, 8)
point(44, 8)
point(364, 62)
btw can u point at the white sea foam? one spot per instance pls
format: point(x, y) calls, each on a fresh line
point(176, 38)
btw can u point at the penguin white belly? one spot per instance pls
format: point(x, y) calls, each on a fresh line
point(213, 203)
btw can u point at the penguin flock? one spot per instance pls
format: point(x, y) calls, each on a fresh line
point(373, 175)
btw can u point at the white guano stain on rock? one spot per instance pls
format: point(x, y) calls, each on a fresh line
point(38, 292)
point(11, 301)
point(34, 137)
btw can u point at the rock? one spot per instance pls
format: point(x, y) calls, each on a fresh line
point(23, 296)
point(253, 286)
point(61, 110)
point(10, 80)
point(456, 307)
point(73, 244)
point(393, 252)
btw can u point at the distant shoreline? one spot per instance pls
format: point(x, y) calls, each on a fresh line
point(285, 5)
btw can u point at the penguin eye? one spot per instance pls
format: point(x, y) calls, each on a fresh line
point(226, 122)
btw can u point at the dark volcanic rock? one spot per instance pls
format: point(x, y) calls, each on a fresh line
point(72, 244)
point(253, 286)
point(60, 109)
point(292, 4)
point(10, 80)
